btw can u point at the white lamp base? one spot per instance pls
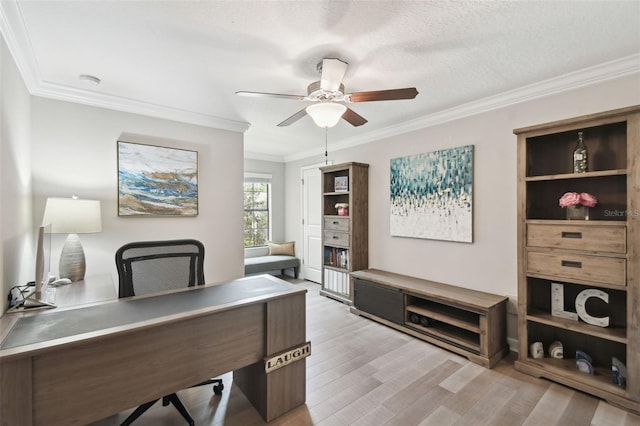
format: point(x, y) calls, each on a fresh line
point(72, 262)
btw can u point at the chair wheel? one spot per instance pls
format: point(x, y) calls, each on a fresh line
point(217, 389)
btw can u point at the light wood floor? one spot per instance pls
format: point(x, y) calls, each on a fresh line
point(363, 373)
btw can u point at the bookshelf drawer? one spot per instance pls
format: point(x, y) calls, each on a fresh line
point(340, 239)
point(336, 224)
point(607, 270)
point(610, 239)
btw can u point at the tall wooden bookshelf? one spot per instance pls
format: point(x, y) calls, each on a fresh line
point(345, 234)
point(600, 255)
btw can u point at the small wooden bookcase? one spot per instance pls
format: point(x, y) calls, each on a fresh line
point(468, 322)
point(345, 234)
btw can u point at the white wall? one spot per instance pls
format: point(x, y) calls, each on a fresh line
point(16, 224)
point(75, 153)
point(490, 262)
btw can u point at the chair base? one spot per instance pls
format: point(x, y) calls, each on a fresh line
point(218, 387)
point(166, 400)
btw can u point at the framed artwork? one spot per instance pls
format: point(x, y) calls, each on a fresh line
point(432, 195)
point(341, 183)
point(156, 181)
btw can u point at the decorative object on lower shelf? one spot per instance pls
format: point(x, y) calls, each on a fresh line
point(619, 372)
point(557, 303)
point(558, 299)
point(343, 209)
point(555, 350)
point(536, 350)
point(581, 306)
point(584, 362)
point(577, 205)
point(420, 319)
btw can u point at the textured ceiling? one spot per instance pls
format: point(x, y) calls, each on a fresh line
point(186, 59)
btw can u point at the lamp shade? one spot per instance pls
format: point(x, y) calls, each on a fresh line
point(73, 216)
point(326, 114)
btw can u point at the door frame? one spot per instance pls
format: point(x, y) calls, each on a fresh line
point(302, 206)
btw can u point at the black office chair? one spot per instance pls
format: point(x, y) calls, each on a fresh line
point(153, 266)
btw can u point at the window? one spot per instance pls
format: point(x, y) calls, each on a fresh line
point(257, 195)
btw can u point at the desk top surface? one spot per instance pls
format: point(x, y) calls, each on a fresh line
point(53, 324)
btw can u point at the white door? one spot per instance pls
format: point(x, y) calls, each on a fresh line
point(312, 223)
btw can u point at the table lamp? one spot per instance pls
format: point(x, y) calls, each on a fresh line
point(72, 216)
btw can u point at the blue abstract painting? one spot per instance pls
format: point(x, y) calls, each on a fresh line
point(159, 181)
point(432, 195)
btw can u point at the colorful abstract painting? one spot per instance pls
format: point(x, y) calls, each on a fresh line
point(158, 181)
point(432, 195)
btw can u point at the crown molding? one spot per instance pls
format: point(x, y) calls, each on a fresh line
point(13, 29)
point(15, 35)
point(592, 75)
point(263, 157)
point(79, 96)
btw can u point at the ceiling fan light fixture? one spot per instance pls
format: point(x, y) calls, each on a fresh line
point(326, 114)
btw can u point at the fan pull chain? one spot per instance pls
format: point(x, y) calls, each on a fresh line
point(326, 151)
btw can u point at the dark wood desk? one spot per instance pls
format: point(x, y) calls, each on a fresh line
point(75, 365)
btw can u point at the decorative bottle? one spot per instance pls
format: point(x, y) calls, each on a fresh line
point(580, 156)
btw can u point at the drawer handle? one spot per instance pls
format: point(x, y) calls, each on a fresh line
point(571, 264)
point(572, 235)
point(335, 237)
point(335, 222)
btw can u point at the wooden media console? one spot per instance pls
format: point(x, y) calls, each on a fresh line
point(468, 322)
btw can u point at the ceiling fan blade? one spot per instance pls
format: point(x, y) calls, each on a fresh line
point(383, 95)
point(271, 95)
point(353, 118)
point(333, 71)
point(295, 117)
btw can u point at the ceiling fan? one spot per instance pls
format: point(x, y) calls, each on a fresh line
point(329, 91)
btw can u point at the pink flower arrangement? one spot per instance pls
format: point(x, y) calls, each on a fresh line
point(573, 199)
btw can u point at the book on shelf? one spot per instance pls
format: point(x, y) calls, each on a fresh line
point(336, 281)
point(336, 257)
